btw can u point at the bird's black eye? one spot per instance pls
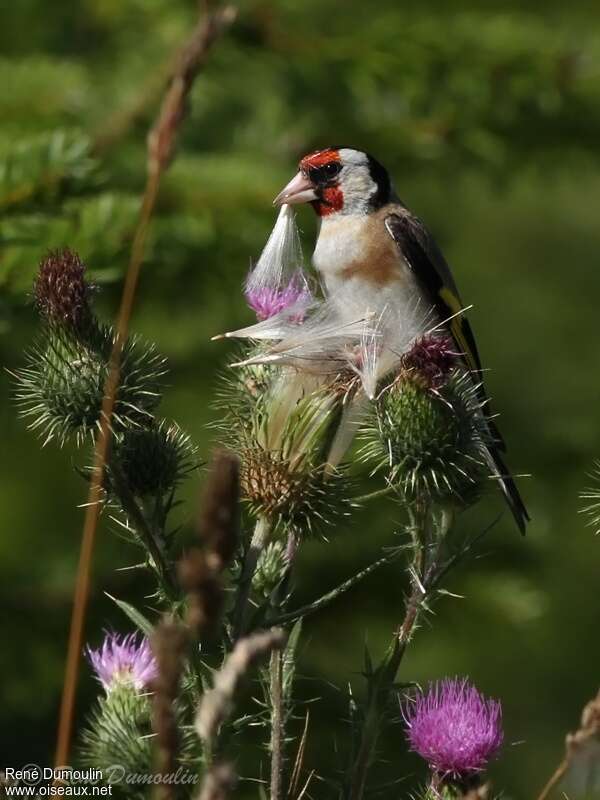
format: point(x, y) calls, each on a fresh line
point(332, 169)
point(325, 173)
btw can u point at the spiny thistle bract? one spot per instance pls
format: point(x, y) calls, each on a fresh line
point(118, 738)
point(282, 422)
point(431, 440)
point(118, 734)
point(305, 498)
point(62, 386)
point(272, 565)
point(592, 497)
point(153, 459)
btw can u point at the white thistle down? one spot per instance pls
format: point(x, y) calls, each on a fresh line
point(317, 346)
point(278, 280)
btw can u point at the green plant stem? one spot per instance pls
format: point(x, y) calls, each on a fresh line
point(383, 678)
point(277, 723)
point(364, 498)
point(326, 599)
point(261, 534)
point(150, 538)
point(380, 685)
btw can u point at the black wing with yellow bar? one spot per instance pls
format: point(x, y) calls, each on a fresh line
point(405, 231)
point(420, 253)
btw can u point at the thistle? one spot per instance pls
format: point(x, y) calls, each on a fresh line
point(62, 386)
point(283, 433)
point(267, 301)
point(454, 728)
point(430, 431)
point(430, 361)
point(118, 728)
point(154, 459)
point(61, 292)
point(272, 565)
point(123, 661)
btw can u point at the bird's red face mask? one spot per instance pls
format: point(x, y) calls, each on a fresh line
point(317, 182)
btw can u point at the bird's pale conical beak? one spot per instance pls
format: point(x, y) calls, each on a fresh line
point(298, 190)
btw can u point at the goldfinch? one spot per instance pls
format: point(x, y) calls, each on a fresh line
point(373, 255)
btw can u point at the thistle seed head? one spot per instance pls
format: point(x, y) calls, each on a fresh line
point(268, 483)
point(302, 496)
point(61, 293)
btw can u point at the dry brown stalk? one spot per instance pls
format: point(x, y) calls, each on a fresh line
point(161, 147)
point(218, 532)
point(219, 518)
point(169, 642)
point(576, 744)
point(218, 783)
point(216, 704)
point(202, 585)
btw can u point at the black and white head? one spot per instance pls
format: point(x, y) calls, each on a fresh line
point(339, 180)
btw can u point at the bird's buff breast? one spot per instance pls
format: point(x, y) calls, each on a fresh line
point(360, 265)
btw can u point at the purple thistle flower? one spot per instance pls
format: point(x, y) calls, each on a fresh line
point(60, 291)
point(123, 660)
point(430, 360)
point(266, 301)
point(454, 727)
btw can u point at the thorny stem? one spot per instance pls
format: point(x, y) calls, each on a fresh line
point(277, 723)
point(150, 537)
point(257, 544)
point(383, 678)
point(364, 498)
point(326, 599)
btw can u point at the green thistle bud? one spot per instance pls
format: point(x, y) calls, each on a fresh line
point(153, 460)
point(62, 386)
point(119, 731)
point(272, 565)
point(431, 442)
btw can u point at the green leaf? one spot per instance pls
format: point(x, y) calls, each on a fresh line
point(138, 619)
point(289, 660)
point(328, 598)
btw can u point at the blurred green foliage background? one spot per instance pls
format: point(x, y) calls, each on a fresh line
point(487, 114)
